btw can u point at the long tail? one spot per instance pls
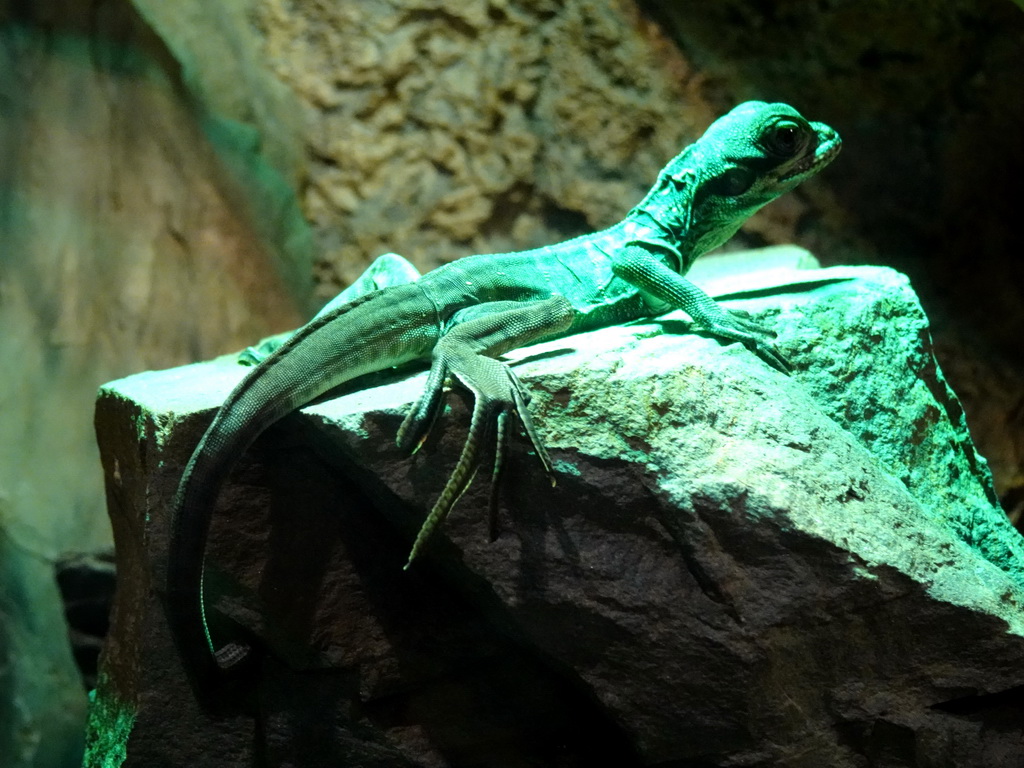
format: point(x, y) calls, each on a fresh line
point(360, 337)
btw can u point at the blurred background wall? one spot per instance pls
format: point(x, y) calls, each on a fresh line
point(178, 179)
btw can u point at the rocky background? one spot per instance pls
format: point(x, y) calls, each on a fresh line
point(178, 179)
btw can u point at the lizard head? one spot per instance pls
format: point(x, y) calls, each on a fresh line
point(744, 160)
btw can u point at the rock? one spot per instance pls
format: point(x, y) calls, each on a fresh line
point(935, 143)
point(735, 568)
point(438, 130)
point(991, 389)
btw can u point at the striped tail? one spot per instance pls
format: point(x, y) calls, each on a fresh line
point(357, 338)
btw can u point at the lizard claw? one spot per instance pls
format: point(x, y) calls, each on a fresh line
point(420, 419)
point(767, 352)
point(467, 353)
point(736, 324)
point(745, 320)
point(499, 396)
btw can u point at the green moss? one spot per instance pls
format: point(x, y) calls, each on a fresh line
point(107, 730)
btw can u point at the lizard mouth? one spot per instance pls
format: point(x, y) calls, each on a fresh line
point(828, 147)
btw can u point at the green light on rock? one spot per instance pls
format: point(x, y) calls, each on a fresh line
point(107, 730)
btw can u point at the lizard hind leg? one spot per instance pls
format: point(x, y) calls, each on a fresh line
point(465, 354)
point(423, 414)
point(497, 394)
point(386, 270)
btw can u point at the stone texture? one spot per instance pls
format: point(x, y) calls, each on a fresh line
point(926, 97)
point(736, 568)
point(992, 391)
point(438, 130)
point(253, 121)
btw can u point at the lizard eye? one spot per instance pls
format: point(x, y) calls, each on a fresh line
point(785, 139)
point(731, 183)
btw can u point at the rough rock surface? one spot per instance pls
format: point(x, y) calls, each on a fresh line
point(438, 129)
point(736, 568)
point(925, 96)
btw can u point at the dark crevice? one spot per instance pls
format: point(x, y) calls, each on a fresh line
point(450, 20)
point(506, 207)
point(1011, 698)
point(86, 584)
point(565, 221)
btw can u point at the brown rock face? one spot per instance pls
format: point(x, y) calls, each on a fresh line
point(438, 130)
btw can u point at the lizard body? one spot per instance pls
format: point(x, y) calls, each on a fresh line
point(463, 315)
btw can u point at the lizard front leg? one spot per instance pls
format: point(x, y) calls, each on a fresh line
point(467, 353)
point(638, 266)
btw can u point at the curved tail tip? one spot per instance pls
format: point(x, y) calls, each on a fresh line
point(231, 655)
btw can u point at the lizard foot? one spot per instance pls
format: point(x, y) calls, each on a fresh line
point(263, 349)
point(387, 270)
point(497, 394)
point(464, 355)
point(736, 324)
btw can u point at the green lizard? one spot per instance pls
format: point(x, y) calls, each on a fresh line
point(464, 315)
